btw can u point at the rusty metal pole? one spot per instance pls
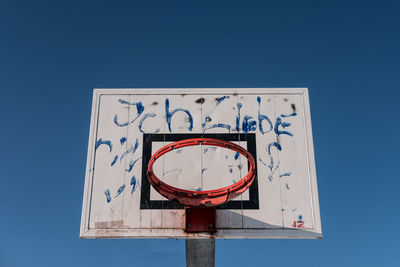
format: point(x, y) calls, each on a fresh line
point(200, 252)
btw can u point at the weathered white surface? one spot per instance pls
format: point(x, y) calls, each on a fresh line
point(287, 202)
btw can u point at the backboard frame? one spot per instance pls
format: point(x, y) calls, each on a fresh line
point(87, 232)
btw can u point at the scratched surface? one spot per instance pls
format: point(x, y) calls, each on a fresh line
point(119, 203)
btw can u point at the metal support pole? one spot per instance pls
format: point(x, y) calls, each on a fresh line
point(200, 252)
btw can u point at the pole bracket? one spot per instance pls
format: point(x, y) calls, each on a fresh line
point(200, 219)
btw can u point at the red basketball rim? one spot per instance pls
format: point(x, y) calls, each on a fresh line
point(207, 198)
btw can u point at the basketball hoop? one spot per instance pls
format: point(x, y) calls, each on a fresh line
point(207, 198)
point(200, 206)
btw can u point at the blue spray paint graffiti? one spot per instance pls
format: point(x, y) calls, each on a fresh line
point(275, 144)
point(271, 166)
point(272, 169)
point(208, 118)
point(119, 191)
point(136, 146)
point(131, 149)
point(217, 125)
point(210, 148)
point(239, 106)
point(133, 184)
point(169, 115)
point(122, 140)
point(271, 163)
point(108, 196)
point(261, 118)
point(279, 123)
point(131, 164)
point(104, 142)
point(264, 163)
point(139, 105)
point(290, 115)
point(115, 160)
point(139, 110)
point(145, 116)
point(219, 100)
point(248, 125)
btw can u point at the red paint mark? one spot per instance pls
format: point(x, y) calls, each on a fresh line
point(298, 224)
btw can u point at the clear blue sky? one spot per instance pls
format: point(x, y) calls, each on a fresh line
point(52, 53)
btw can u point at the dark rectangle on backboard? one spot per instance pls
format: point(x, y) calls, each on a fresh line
point(148, 139)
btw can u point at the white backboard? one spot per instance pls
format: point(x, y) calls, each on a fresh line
point(129, 125)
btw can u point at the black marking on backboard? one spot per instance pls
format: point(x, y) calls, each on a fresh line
point(148, 139)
